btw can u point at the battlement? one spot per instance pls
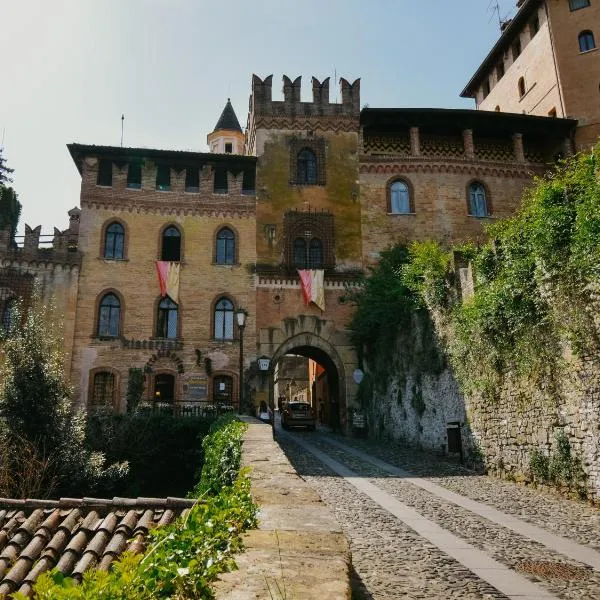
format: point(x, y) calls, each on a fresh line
point(262, 103)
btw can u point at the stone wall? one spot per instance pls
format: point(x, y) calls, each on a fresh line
point(417, 404)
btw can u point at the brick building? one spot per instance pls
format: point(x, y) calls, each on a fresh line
point(313, 185)
point(546, 63)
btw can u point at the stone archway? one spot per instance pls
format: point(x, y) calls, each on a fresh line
point(323, 352)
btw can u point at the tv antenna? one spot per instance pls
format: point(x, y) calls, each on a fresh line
point(122, 125)
point(494, 8)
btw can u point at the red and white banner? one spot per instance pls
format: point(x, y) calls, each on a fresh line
point(168, 279)
point(312, 283)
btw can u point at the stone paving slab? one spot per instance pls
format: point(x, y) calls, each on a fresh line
point(299, 551)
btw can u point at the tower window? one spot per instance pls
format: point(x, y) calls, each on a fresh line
point(192, 179)
point(586, 41)
point(163, 178)
point(105, 173)
point(228, 147)
point(307, 168)
point(399, 198)
point(171, 245)
point(577, 4)
point(552, 113)
point(521, 86)
point(220, 181)
point(134, 176)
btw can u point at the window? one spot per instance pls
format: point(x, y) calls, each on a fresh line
point(225, 251)
point(521, 86)
point(497, 109)
point(224, 319)
point(10, 314)
point(300, 253)
point(166, 324)
point(104, 173)
point(500, 70)
point(577, 4)
point(315, 254)
point(228, 148)
point(477, 200)
point(164, 387)
point(223, 389)
point(220, 182)
point(307, 168)
point(486, 88)
point(134, 176)
point(586, 41)
point(249, 181)
point(109, 316)
point(114, 241)
point(171, 244)
point(103, 390)
point(552, 113)
point(516, 49)
point(163, 178)
point(399, 202)
point(192, 179)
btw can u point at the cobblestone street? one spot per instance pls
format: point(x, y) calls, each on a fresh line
point(421, 526)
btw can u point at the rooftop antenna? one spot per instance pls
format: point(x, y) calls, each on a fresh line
point(122, 125)
point(335, 84)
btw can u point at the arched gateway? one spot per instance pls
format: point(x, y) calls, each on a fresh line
point(329, 348)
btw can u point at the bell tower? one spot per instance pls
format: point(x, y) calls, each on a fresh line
point(227, 136)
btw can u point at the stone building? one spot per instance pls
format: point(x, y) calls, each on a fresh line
point(308, 185)
point(546, 63)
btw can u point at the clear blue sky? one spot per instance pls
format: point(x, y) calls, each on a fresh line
point(70, 68)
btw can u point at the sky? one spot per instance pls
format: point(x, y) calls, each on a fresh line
point(71, 68)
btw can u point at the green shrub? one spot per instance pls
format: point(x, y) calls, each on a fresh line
point(539, 464)
point(183, 558)
point(164, 453)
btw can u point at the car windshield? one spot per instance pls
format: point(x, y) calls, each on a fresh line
point(299, 406)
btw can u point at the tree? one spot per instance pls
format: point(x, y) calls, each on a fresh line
point(5, 172)
point(35, 403)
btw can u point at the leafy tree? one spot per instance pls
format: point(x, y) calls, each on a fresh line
point(35, 403)
point(5, 172)
point(10, 207)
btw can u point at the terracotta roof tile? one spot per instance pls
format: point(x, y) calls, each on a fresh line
point(74, 534)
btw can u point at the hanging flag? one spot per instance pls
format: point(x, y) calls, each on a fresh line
point(168, 279)
point(305, 284)
point(312, 283)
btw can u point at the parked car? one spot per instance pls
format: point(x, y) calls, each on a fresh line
point(298, 414)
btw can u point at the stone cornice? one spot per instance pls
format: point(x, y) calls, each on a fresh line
point(293, 282)
point(70, 263)
point(229, 210)
point(393, 165)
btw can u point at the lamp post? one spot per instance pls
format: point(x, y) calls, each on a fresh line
point(240, 315)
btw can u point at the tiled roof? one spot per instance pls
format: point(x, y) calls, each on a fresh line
point(228, 119)
point(74, 534)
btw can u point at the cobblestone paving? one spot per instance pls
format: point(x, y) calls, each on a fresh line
point(394, 562)
point(390, 559)
point(574, 520)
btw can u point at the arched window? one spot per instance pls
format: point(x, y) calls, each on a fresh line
point(225, 251)
point(521, 86)
point(166, 324)
point(224, 319)
point(497, 109)
point(114, 241)
point(109, 316)
point(171, 244)
point(586, 41)
point(477, 200)
point(400, 198)
point(300, 253)
point(307, 167)
point(10, 314)
point(103, 390)
point(315, 254)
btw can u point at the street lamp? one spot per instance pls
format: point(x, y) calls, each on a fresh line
point(240, 315)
